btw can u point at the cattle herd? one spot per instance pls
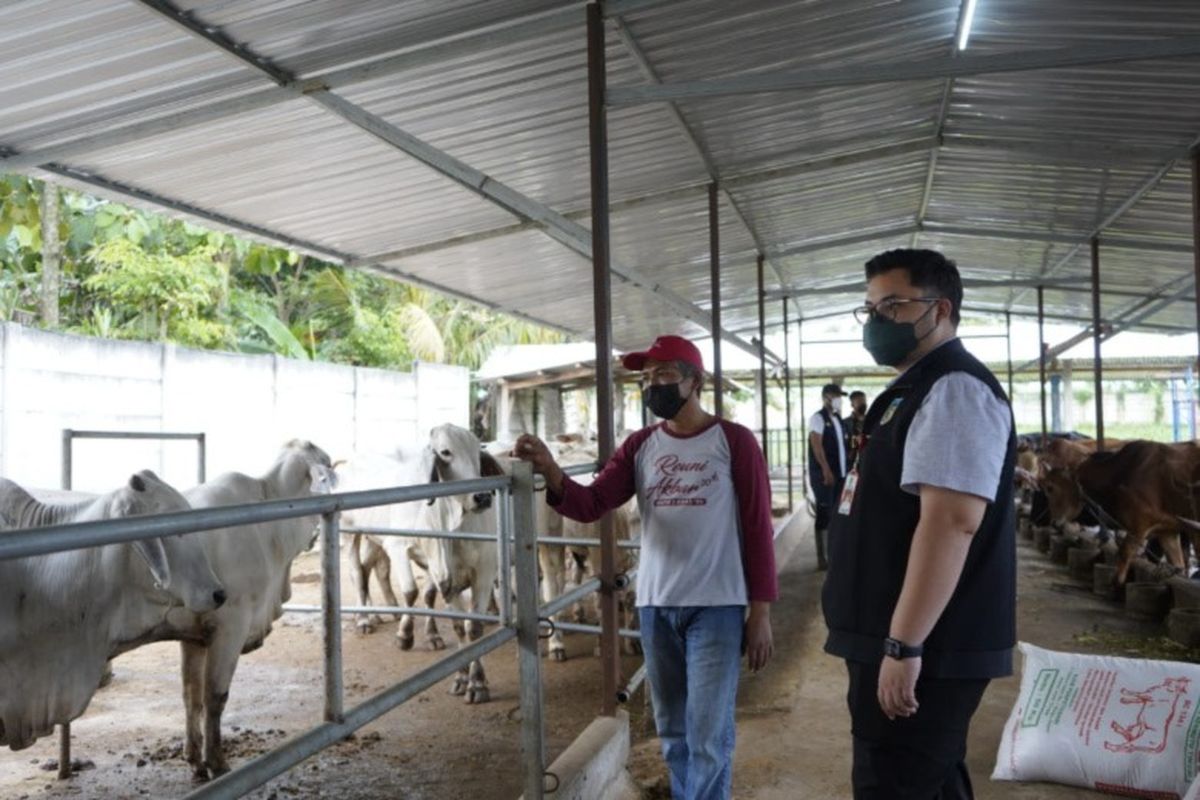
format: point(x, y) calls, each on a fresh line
point(1144, 496)
point(64, 616)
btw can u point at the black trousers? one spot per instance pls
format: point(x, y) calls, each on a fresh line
point(922, 757)
point(825, 498)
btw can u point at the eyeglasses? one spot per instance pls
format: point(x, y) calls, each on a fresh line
point(887, 308)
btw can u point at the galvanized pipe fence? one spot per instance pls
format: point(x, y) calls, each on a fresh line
point(516, 540)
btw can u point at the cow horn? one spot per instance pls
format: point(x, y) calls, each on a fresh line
point(136, 483)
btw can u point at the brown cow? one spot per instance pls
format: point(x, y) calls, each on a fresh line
point(1148, 488)
point(1070, 453)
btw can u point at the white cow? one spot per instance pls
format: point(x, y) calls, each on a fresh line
point(63, 615)
point(452, 566)
point(254, 562)
point(557, 562)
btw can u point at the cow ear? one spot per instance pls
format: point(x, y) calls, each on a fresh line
point(152, 552)
point(434, 477)
point(489, 467)
point(137, 483)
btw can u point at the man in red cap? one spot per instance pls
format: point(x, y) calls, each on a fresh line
point(706, 576)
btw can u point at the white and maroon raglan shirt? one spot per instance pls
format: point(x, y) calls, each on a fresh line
point(705, 500)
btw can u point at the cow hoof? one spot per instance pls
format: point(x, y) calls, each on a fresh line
point(200, 774)
point(219, 768)
point(478, 695)
point(404, 642)
point(558, 654)
point(459, 687)
point(436, 643)
point(364, 628)
point(376, 619)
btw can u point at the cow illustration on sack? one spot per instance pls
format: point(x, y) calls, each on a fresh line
point(1156, 708)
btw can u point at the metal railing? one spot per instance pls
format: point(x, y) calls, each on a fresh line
point(517, 542)
point(69, 435)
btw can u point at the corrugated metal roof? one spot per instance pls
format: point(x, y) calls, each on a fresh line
point(1032, 161)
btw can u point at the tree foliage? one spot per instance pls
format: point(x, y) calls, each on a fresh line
point(135, 275)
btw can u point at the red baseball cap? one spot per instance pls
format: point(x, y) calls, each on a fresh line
point(665, 348)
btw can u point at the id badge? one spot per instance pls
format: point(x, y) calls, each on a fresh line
point(848, 489)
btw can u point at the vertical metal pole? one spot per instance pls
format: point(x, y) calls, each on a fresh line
point(714, 260)
point(201, 458)
point(1041, 295)
point(331, 611)
point(529, 655)
point(787, 400)
point(762, 358)
point(803, 414)
point(610, 653)
point(1008, 347)
point(64, 750)
point(1196, 248)
point(504, 543)
point(1097, 367)
point(67, 438)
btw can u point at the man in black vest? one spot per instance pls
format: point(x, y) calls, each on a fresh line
point(827, 462)
point(920, 599)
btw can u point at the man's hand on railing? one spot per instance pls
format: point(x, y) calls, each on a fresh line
point(532, 449)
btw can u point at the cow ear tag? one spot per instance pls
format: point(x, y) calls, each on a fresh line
point(891, 411)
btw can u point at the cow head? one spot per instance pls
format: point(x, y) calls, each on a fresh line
point(455, 455)
point(1063, 494)
point(306, 469)
point(178, 564)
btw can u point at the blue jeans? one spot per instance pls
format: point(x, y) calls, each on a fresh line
point(693, 657)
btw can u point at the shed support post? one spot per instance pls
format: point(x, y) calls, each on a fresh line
point(762, 361)
point(1196, 244)
point(803, 415)
point(787, 403)
point(1041, 300)
point(1008, 348)
point(714, 257)
point(610, 653)
point(1097, 337)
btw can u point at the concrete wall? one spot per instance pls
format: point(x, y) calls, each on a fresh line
point(248, 406)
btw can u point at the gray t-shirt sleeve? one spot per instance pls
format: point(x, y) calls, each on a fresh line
point(958, 439)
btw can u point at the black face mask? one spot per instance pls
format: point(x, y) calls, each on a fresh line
point(663, 400)
point(890, 342)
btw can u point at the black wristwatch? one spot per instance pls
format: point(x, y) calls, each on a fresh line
point(894, 648)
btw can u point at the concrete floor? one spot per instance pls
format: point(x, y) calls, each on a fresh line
point(793, 726)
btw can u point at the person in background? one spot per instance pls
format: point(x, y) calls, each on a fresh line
point(853, 425)
point(826, 462)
